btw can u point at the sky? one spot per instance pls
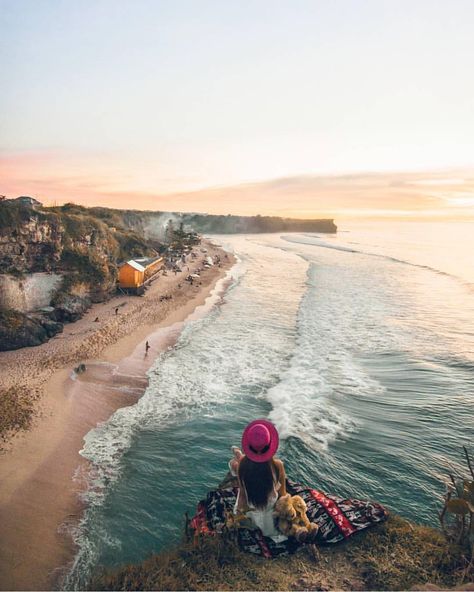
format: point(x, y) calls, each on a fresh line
point(335, 108)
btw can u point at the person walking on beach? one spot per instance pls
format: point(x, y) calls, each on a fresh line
point(116, 311)
point(261, 477)
point(147, 347)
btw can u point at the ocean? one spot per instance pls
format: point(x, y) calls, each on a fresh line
point(359, 346)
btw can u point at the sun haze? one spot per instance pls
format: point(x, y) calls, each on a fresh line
point(300, 108)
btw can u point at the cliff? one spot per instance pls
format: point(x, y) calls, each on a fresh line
point(68, 240)
point(396, 555)
point(255, 224)
point(153, 224)
point(62, 257)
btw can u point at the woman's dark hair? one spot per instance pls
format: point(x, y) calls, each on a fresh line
point(258, 480)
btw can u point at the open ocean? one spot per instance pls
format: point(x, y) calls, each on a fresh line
point(359, 346)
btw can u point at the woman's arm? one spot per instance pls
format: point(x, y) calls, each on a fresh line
point(242, 503)
point(281, 477)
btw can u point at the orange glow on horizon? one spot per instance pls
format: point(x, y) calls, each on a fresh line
point(54, 178)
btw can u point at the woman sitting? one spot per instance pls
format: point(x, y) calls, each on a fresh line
point(261, 477)
point(261, 481)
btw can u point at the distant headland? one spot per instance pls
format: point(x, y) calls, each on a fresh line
point(151, 223)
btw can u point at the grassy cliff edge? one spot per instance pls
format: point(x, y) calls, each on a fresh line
point(396, 555)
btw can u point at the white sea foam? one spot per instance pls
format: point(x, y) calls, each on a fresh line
point(323, 368)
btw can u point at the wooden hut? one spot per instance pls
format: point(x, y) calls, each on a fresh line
point(136, 273)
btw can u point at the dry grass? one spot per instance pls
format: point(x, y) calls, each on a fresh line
point(218, 565)
point(399, 555)
point(393, 556)
point(17, 406)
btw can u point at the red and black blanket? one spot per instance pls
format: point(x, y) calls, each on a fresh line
point(336, 517)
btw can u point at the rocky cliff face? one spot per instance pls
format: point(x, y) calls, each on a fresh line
point(28, 292)
point(81, 247)
point(29, 240)
point(77, 249)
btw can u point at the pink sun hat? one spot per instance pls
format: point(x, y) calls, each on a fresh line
point(260, 440)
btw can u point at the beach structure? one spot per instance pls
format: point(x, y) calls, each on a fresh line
point(134, 274)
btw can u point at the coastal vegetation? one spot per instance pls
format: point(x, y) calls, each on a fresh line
point(254, 224)
point(396, 555)
point(153, 223)
point(457, 515)
point(79, 247)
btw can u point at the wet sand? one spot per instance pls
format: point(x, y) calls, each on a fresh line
point(41, 473)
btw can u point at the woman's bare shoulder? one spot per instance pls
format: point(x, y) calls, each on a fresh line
point(279, 463)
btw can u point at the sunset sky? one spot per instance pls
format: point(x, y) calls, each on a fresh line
point(305, 108)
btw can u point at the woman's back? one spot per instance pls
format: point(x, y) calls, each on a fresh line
point(259, 480)
point(260, 485)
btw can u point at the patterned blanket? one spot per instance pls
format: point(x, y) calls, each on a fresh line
point(337, 518)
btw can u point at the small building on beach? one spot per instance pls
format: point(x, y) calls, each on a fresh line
point(136, 273)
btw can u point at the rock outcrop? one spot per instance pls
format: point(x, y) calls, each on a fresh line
point(21, 330)
point(70, 307)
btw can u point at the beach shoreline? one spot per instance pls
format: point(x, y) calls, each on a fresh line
point(40, 470)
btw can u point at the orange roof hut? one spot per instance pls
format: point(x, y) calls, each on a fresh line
point(136, 273)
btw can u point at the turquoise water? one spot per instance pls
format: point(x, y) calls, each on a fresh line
point(359, 346)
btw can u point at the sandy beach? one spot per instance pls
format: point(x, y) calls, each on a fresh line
point(40, 469)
